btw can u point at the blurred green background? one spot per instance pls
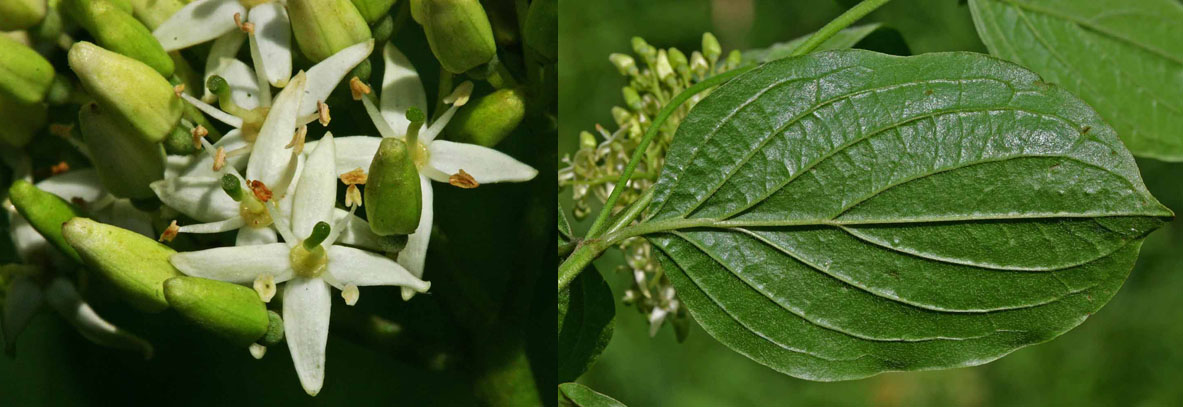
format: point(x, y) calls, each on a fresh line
point(1128, 354)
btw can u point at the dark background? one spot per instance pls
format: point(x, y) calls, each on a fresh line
point(1128, 354)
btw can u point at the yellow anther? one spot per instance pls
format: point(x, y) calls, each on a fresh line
point(298, 139)
point(220, 158)
point(257, 350)
point(198, 133)
point(265, 286)
point(350, 294)
point(322, 113)
point(358, 88)
point(170, 232)
point(356, 177)
point(246, 27)
point(460, 95)
point(352, 196)
point(59, 168)
point(262, 193)
point(463, 180)
point(177, 90)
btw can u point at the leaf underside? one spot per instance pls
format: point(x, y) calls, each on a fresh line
point(586, 312)
point(1125, 58)
point(578, 395)
point(846, 213)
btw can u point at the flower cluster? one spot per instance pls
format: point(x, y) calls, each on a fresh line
point(594, 169)
point(165, 174)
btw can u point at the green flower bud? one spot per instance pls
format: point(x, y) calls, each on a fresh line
point(126, 165)
point(393, 200)
point(136, 266)
point(587, 140)
point(155, 12)
point(373, 10)
point(25, 76)
point(621, 115)
point(50, 28)
point(323, 27)
point(698, 64)
point(124, 5)
point(646, 51)
point(711, 48)
point(21, 121)
point(383, 30)
point(17, 15)
point(541, 30)
point(680, 63)
point(734, 59)
point(663, 68)
point(489, 119)
point(632, 98)
point(624, 63)
point(116, 29)
point(127, 88)
point(231, 311)
point(46, 212)
point(458, 32)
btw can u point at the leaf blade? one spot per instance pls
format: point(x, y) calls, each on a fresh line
point(586, 316)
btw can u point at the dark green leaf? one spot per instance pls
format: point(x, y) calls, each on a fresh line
point(846, 213)
point(565, 233)
point(578, 395)
point(1125, 58)
point(586, 313)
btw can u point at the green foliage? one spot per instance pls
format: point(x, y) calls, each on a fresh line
point(833, 223)
point(1123, 57)
point(578, 395)
point(586, 316)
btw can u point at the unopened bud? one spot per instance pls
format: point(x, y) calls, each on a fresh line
point(228, 310)
point(631, 98)
point(489, 119)
point(46, 212)
point(698, 64)
point(126, 165)
point(117, 30)
point(646, 51)
point(624, 63)
point(392, 195)
point(323, 27)
point(155, 12)
point(16, 15)
point(127, 88)
point(664, 70)
point(711, 48)
point(458, 32)
point(540, 32)
point(25, 76)
point(21, 121)
point(136, 265)
point(587, 140)
point(373, 10)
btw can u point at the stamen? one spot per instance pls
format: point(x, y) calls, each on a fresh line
point(170, 232)
point(257, 350)
point(350, 294)
point(59, 168)
point(463, 180)
point(319, 233)
point(358, 89)
point(61, 130)
point(223, 117)
point(248, 28)
point(179, 89)
point(265, 286)
point(262, 193)
point(376, 117)
point(460, 95)
point(322, 112)
point(231, 185)
point(352, 196)
point(298, 140)
point(356, 177)
point(198, 133)
point(220, 159)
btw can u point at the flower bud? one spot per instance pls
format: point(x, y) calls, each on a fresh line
point(21, 121)
point(624, 63)
point(17, 15)
point(373, 10)
point(323, 27)
point(393, 200)
point(711, 48)
point(587, 140)
point(231, 311)
point(489, 119)
point(155, 12)
point(46, 212)
point(127, 88)
point(458, 32)
point(632, 98)
point(383, 30)
point(25, 76)
point(541, 30)
point(646, 51)
point(117, 30)
point(136, 265)
point(126, 165)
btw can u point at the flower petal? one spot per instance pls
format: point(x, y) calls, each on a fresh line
point(225, 46)
point(325, 75)
point(65, 300)
point(200, 198)
point(361, 268)
point(306, 307)
point(244, 84)
point(73, 185)
point(355, 232)
point(486, 165)
point(273, 32)
point(401, 89)
point(415, 254)
point(317, 191)
point(198, 22)
point(125, 215)
point(214, 227)
point(255, 236)
point(353, 152)
point(239, 264)
point(269, 157)
point(21, 302)
point(25, 239)
point(202, 165)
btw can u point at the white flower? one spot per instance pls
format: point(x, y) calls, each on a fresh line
point(308, 261)
point(194, 188)
point(266, 23)
point(437, 160)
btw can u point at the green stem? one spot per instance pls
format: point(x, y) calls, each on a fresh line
point(583, 256)
point(838, 24)
point(650, 134)
point(632, 212)
point(607, 178)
